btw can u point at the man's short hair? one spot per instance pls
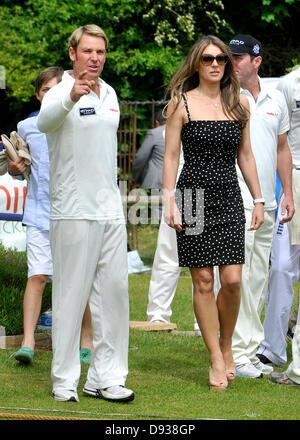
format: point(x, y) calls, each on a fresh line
point(46, 75)
point(159, 116)
point(90, 29)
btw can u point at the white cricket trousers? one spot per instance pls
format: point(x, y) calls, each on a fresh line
point(284, 274)
point(293, 370)
point(249, 332)
point(89, 264)
point(165, 275)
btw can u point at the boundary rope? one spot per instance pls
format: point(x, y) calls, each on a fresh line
point(16, 416)
point(35, 417)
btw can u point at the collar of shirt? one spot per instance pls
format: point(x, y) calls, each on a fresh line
point(265, 92)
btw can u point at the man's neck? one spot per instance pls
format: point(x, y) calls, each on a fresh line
point(253, 86)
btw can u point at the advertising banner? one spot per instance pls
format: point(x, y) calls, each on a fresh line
point(12, 200)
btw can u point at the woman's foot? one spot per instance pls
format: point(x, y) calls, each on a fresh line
point(217, 376)
point(229, 364)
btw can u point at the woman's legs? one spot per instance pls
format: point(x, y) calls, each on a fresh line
point(207, 316)
point(217, 316)
point(228, 303)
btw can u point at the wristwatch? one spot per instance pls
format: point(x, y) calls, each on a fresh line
point(261, 200)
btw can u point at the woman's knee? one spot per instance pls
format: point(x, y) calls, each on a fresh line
point(231, 283)
point(203, 282)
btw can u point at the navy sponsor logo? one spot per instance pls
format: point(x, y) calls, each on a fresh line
point(280, 228)
point(297, 104)
point(87, 111)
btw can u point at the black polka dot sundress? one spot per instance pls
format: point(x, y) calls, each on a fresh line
point(208, 195)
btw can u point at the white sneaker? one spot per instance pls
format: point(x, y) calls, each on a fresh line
point(135, 263)
point(116, 393)
point(248, 370)
point(197, 330)
point(265, 369)
point(65, 395)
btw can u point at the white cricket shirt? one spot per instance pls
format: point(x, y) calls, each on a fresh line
point(290, 87)
point(82, 141)
point(268, 119)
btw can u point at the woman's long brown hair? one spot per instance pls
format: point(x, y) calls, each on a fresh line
point(187, 78)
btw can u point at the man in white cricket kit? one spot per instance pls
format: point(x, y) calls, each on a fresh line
point(80, 117)
point(269, 124)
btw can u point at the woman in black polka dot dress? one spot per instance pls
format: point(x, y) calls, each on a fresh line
point(210, 119)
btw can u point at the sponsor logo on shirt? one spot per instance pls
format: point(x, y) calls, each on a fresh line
point(272, 114)
point(297, 104)
point(114, 110)
point(87, 111)
point(280, 229)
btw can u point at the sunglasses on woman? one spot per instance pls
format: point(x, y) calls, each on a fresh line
point(207, 59)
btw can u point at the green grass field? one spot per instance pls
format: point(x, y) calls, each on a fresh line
point(168, 372)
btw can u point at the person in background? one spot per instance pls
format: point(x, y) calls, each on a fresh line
point(291, 376)
point(149, 159)
point(165, 271)
point(269, 124)
point(285, 256)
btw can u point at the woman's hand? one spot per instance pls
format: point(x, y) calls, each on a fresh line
point(257, 217)
point(172, 215)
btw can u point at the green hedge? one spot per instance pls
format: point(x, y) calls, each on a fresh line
point(13, 279)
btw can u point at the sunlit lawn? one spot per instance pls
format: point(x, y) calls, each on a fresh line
point(168, 372)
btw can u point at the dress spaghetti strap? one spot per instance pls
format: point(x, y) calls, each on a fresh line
point(186, 107)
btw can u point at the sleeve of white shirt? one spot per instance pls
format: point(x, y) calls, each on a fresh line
point(284, 89)
point(56, 105)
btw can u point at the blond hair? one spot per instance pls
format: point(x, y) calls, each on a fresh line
point(90, 29)
point(187, 78)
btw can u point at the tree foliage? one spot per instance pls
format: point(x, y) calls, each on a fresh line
point(147, 39)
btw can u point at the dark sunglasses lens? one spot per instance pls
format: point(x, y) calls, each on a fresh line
point(207, 59)
point(221, 59)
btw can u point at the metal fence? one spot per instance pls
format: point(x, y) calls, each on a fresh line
point(137, 117)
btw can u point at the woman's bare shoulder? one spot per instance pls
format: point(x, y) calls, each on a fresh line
point(175, 105)
point(244, 101)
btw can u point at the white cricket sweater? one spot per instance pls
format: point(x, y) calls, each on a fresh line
point(82, 141)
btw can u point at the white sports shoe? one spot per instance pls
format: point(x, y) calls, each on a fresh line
point(248, 370)
point(65, 395)
point(265, 369)
point(135, 263)
point(116, 393)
